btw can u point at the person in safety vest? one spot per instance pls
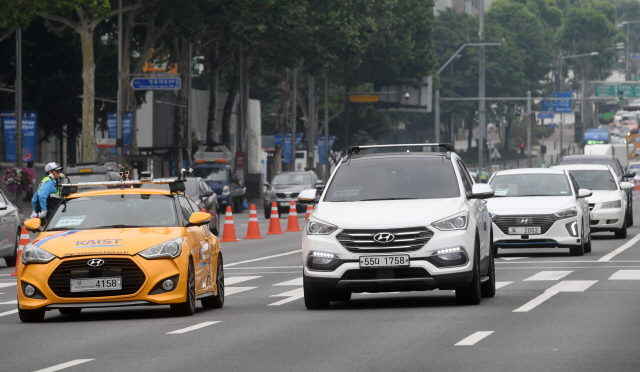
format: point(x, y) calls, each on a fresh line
point(48, 195)
point(483, 176)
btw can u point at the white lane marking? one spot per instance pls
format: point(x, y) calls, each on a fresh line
point(474, 338)
point(266, 267)
point(296, 281)
point(620, 249)
point(292, 296)
point(5, 274)
point(626, 275)
point(13, 302)
point(192, 328)
point(502, 284)
point(2, 285)
point(512, 258)
point(272, 272)
point(238, 279)
point(263, 258)
point(65, 365)
point(9, 312)
point(228, 291)
point(563, 286)
point(548, 275)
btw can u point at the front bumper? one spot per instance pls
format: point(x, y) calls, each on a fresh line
point(224, 200)
point(607, 219)
point(557, 236)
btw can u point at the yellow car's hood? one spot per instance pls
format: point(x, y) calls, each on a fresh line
point(106, 241)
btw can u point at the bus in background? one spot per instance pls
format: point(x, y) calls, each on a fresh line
point(596, 137)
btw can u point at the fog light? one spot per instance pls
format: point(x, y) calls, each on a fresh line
point(167, 285)
point(29, 290)
point(572, 228)
point(610, 222)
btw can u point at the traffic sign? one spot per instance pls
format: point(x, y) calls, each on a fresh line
point(106, 142)
point(542, 115)
point(635, 56)
point(368, 98)
point(156, 83)
point(277, 139)
point(629, 90)
point(561, 105)
point(552, 125)
point(636, 77)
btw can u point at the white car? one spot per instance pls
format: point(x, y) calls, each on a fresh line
point(402, 221)
point(539, 208)
point(609, 200)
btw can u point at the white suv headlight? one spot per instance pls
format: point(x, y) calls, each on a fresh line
point(458, 221)
point(317, 227)
point(169, 249)
point(571, 212)
point(32, 254)
point(611, 204)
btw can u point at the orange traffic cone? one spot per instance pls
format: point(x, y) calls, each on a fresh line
point(637, 186)
point(309, 211)
point(253, 231)
point(24, 240)
point(229, 234)
point(292, 224)
point(274, 220)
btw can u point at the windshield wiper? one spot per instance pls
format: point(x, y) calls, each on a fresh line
point(388, 199)
point(61, 229)
point(116, 226)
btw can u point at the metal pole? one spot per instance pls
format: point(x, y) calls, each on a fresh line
point(18, 112)
point(119, 99)
point(311, 125)
point(561, 128)
point(529, 164)
point(453, 138)
point(293, 120)
point(327, 166)
point(437, 114)
point(482, 118)
point(626, 61)
point(189, 154)
point(561, 76)
point(345, 133)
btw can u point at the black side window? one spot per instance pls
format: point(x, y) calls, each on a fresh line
point(185, 208)
point(466, 178)
point(575, 185)
point(193, 205)
point(3, 199)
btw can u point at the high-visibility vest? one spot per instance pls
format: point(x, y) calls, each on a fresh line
point(44, 180)
point(483, 175)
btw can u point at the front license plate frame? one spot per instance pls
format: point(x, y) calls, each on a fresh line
point(528, 230)
point(376, 262)
point(95, 284)
point(285, 203)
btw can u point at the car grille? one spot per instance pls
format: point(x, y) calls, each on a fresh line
point(398, 273)
point(405, 240)
point(504, 222)
point(132, 277)
point(283, 195)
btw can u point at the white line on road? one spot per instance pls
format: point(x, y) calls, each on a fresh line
point(548, 275)
point(502, 284)
point(9, 312)
point(263, 258)
point(192, 328)
point(563, 286)
point(272, 272)
point(2, 285)
point(5, 274)
point(474, 338)
point(296, 281)
point(621, 249)
point(293, 295)
point(266, 267)
point(65, 365)
point(626, 275)
point(238, 279)
point(228, 291)
point(13, 302)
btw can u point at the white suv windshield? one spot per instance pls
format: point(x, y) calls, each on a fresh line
point(594, 179)
point(392, 178)
point(532, 184)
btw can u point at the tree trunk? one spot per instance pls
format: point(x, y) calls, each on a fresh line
point(281, 115)
point(128, 94)
point(470, 114)
point(213, 96)
point(88, 93)
point(228, 106)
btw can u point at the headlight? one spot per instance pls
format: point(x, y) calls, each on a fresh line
point(317, 227)
point(611, 204)
point(448, 257)
point(226, 190)
point(32, 254)
point(571, 212)
point(456, 222)
point(323, 261)
point(170, 249)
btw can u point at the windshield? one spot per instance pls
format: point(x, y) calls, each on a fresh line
point(393, 178)
point(594, 179)
point(126, 210)
point(532, 184)
point(579, 160)
point(292, 179)
point(211, 174)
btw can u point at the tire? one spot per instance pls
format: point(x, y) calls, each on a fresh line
point(340, 296)
point(31, 316)
point(470, 295)
point(267, 212)
point(11, 261)
point(315, 300)
point(216, 230)
point(622, 233)
point(577, 250)
point(488, 288)
point(587, 239)
point(217, 301)
point(188, 307)
point(70, 310)
point(630, 217)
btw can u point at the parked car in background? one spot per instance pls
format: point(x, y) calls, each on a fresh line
point(223, 182)
point(285, 187)
point(92, 172)
point(9, 230)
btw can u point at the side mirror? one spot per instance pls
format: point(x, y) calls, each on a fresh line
point(199, 219)
point(481, 191)
point(308, 196)
point(266, 184)
point(629, 174)
point(207, 193)
point(33, 224)
point(3, 206)
point(584, 193)
point(626, 185)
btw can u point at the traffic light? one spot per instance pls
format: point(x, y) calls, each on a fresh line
point(521, 148)
point(621, 94)
point(543, 149)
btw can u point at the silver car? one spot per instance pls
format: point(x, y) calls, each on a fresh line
point(9, 230)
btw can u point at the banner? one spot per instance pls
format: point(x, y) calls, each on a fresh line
point(127, 121)
point(286, 148)
point(29, 122)
point(321, 156)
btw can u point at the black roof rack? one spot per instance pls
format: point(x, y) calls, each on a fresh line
point(356, 149)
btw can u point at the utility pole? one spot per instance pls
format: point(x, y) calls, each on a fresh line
point(482, 114)
point(293, 120)
point(189, 154)
point(327, 167)
point(437, 112)
point(529, 164)
point(119, 99)
point(311, 125)
point(627, 75)
point(18, 112)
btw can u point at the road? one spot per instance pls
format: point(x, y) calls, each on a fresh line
point(552, 312)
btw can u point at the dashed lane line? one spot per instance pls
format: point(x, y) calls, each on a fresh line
point(13, 302)
point(9, 312)
point(2, 285)
point(620, 249)
point(192, 328)
point(228, 291)
point(474, 338)
point(265, 268)
point(548, 275)
point(263, 258)
point(292, 296)
point(238, 279)
point(64, 365)
point(296, 281)
point(626, 275)
point(563, 286)
point(502, 284)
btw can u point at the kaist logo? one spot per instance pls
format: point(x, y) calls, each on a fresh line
point(98, 243)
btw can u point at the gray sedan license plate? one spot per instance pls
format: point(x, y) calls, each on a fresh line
point(96, 284)
point(384, 261)
point(525, 230)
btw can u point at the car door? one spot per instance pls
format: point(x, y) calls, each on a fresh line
point(203, 267)
point(478, 212)
point(7, 225)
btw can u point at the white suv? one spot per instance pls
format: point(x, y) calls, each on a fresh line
point(402, 221)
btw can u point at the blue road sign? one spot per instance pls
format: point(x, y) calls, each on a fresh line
point(544, 115)
point(29, 123)
point(155, 83)
point(552, 125)
point(559, 106)
point(635, 56)
point(277, 139)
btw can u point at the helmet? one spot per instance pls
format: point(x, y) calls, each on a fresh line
point(51, 167)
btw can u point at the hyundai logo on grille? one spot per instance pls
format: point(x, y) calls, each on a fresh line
point(525, 221)
point(384, 237)
point(95, 262)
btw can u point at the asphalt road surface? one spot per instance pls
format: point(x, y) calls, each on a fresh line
point(552, 312)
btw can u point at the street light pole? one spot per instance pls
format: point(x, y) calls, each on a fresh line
point(529, 164)
point(482, 114)
point(119, 108)
point(293, 120)
point(626, 59)
point(18, 113)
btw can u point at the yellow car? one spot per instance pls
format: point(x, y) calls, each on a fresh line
point(121, 246)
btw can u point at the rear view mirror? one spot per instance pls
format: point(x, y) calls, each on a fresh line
point(199, 219)
point(32, 224)
point(308, 196)
point(626, 185)
point(3, 206)
point(481, 191)
point(207, 193)
point(584, 193)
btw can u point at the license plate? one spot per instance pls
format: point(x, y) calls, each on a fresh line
point(384, 261)
point(525, 230)
point(285, 203)
point(96, 284)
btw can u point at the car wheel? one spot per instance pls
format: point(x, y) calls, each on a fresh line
point(577, 250)
point(31, 316)
point(470, 295)
point(340, 296)
point(267, 212)
point(587, 239)
point(11, 261)
point(630, 216)
point(70, 310)
point(488, 288)
point(216, 301)
point(216, 229)
point(622, 233)
point(315, 300)
point(188, 307)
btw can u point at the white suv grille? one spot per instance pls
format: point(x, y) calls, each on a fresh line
point(404, 240)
